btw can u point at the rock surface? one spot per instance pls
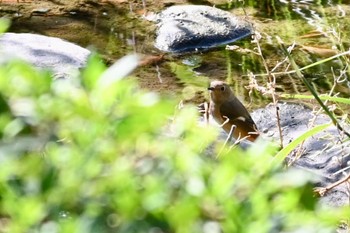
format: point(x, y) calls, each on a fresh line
point(61, 57)
point(323, 154)
point(186, 28)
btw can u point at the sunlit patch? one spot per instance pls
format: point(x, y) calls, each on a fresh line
point(189, 92)
point(149, 99)
point(195, 186)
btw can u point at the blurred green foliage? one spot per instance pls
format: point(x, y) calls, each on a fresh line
point(80, 156)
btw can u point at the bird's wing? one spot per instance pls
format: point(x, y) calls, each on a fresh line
point(235, 111)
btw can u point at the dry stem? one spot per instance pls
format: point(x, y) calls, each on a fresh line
point(323, 190)
point(272, 83)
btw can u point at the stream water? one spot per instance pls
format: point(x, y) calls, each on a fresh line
point(315, 29)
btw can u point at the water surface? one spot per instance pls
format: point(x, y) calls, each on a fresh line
point(318, 29)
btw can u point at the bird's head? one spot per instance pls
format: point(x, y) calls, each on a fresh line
point(219, 91)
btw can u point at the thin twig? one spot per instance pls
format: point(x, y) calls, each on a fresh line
point(301, 149)
point(233, 127)
point(159, 74)
point(225, 122)
point(206, 112)
point(305, 67)
point(272, 81)
point(323, 190)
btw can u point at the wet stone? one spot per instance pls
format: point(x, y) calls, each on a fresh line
point(322, 155)
point(63, 58)
point(187, 28)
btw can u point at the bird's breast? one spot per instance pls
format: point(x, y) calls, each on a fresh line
point(214, 110)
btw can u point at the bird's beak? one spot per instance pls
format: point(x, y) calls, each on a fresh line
point(211, 88)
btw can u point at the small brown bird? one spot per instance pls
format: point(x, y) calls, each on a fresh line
point(230, 113)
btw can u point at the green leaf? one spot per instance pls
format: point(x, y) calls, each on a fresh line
point(282, 154)
point(4, 24)
point(117, 71)
point(322, 97)
point(93, 70)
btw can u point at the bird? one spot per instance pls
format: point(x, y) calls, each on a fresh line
point(230, 113)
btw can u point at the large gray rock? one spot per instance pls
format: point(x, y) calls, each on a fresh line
point(186, 28)
point(325, 154)
point(61, 57)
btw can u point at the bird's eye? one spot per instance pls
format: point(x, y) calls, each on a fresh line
point(222, 88)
